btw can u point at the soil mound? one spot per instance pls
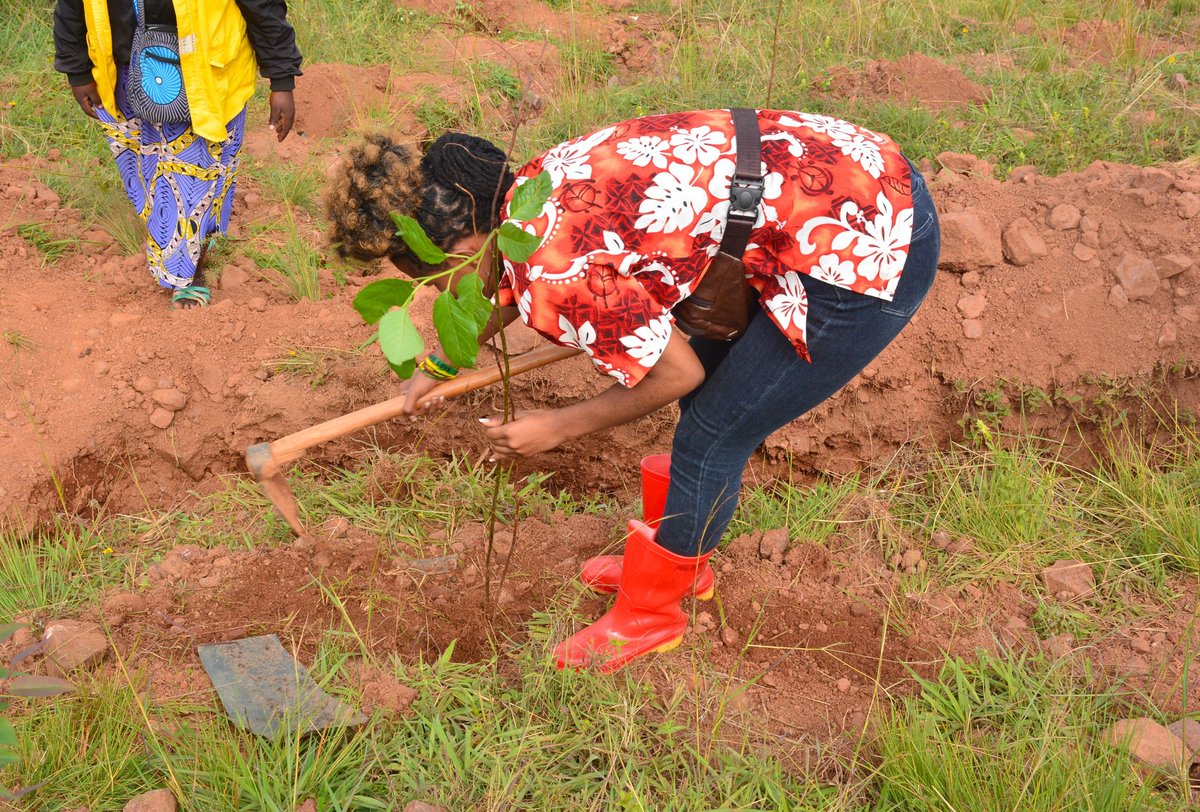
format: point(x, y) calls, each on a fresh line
point(1081, 287)
point(1104, 41)
point(912, 79)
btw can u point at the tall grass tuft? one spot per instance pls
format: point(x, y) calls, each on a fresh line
point(1004, 734)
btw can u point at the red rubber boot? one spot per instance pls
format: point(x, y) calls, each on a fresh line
point(603, 573)
point(645, 616)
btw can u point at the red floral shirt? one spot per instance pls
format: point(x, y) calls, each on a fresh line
point(638, 210)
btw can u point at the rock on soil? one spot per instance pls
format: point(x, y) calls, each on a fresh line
point(1188, 730)
point(1064, 217)
point(1149, 743)
point(1069, 578)
point(1022, 243)
point(773, 545)
point(970, 241)
point(1171, 265)
point(1137, 277)
point(160, 800)
point(73, 644)
point(421, 806)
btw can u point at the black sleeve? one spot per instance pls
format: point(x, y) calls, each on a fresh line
point(70, 42)
point(273, 40)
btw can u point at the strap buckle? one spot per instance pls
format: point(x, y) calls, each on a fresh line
point(745, 195)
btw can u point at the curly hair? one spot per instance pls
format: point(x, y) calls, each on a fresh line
point(449, 191)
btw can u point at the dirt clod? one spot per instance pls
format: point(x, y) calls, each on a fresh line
point(1149, 743)
point(1188, 730)
point(421, 806)
point(774, 543)
point(1069, 576)
point(1137, 277)
point(1022, 243)
point(71, 644)
point(970, 241)
point(160, 800)
point(161, 418)
point(1064, 217)
point(730, 637)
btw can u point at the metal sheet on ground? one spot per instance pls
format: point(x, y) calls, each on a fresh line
point(262, 688)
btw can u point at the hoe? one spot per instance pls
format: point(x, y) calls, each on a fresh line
point(266, 460)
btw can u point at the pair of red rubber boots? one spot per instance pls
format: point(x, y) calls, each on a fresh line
point(649, 581)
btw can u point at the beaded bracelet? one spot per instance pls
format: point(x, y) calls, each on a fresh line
point(438, 369)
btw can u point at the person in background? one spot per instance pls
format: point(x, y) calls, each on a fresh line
point(843, 247)
point(178, 174)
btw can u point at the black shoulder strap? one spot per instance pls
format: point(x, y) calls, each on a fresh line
point(746, 190)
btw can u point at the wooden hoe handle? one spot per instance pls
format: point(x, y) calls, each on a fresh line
point(293, 446)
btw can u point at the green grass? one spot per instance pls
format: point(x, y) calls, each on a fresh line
point(17, 340)
point(1003, 734)
point(508, 731)
point(54, 570)
point(288, 259)
point(296, 185)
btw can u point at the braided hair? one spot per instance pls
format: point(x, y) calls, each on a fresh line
point(449, 191)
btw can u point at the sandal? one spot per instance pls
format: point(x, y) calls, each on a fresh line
point(192, 293)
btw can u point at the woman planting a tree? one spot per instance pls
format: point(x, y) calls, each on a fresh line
point(629, 246)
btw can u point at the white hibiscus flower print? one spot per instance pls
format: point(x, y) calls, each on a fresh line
point(883, 247)
point(645, 150)
point(827, 125)
point(865, 152)
point(661, 268)
point(712, 222)
point(569, 161)
point(832, 269)
point(698, 145)
point(647, 343)
point(796, 147)
point(790, 307)
point(722, 177)
point(582, 337)
point(524, 305)
point(672, 202)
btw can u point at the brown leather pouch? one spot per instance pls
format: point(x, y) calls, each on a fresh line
point(721, 305)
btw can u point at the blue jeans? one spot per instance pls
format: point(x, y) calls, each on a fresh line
point(758, 383)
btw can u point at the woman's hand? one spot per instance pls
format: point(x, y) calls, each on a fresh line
point(526, 434)
point(88, 97)
point(283, 113)
point(417, 387)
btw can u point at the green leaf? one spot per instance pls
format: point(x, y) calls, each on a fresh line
point(516, 243)
point(7, 630)
point(417, 240)
point(8, 743)
point(529, 197)
point(379, 297)
point(404, 371)
point(33, 686)
point(470, 296)
point(456, 330)
point(399, 339)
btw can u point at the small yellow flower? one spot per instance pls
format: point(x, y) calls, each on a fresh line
point(108, 550)
point(966, 30)
point(1170, 60)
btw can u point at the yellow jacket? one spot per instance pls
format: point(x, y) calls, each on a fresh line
point(216, 60)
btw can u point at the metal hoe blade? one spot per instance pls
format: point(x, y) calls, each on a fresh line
point(261, 464)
